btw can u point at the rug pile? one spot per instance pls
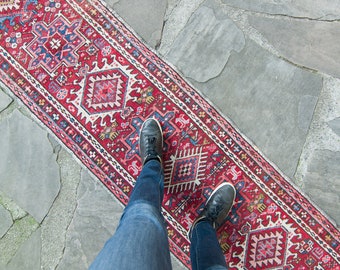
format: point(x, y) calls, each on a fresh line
point(92, 83)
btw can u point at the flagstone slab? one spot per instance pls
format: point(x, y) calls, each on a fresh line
point(94, 221)
point(21, 231)
point(28, 256)
point(6, 220)
point(177, 15)
point(270, 100)
point(54, 226)
point(4, 100)
point(12, 207)
point(29, 173)
point(322, 179)
point(203, 47)
point(317, 9)
point(335, 125)
point(137, 14)
point(307, 43)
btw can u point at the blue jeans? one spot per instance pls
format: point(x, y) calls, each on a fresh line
point(141, 240)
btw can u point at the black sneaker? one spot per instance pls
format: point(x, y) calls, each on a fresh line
point(151, 141)
point(217, 206)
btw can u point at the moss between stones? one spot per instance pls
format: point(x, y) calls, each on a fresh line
point(20, 231)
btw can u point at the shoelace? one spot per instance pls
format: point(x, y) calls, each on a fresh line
point(150, 145)
point(215, 211)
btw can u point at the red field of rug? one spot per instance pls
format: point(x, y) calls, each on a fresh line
point(92, 83)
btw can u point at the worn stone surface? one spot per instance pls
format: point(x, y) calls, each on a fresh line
point(4, 101)
point(317, 9)
point(6, 220)
point(311, 44)
point(18, 234)
point(322, 179)
point(335, 125)
point(177, 15)
point(23, 163)
point(94, 221)
point(203, 47)
point(320, 153)
point(269, 99)
point(28, 256)
point(16, 211)
point(55, 225)
point(305, 111)
point(147, 24)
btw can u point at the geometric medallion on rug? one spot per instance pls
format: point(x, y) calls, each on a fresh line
point(92, 83)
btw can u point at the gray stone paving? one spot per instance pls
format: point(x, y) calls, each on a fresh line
point(270, 66)
point(6, 220)
point(34, 172)
point(208, 35)
point(307, 46)
point(4, 101)
point(270, 100)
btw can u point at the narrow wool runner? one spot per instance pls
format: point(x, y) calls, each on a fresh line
point(92, 83)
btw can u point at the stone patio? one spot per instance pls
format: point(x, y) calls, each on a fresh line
point(272, 68)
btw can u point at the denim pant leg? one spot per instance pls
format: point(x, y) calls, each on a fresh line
point(205, 250)
point(140, 241)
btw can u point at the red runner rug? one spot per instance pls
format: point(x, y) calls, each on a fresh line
point(92, 83)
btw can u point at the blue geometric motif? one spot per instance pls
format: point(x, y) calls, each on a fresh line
point(55, 44)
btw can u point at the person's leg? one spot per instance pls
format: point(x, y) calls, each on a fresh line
point(205, 250)
point(149, 185)
point(141, 241)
